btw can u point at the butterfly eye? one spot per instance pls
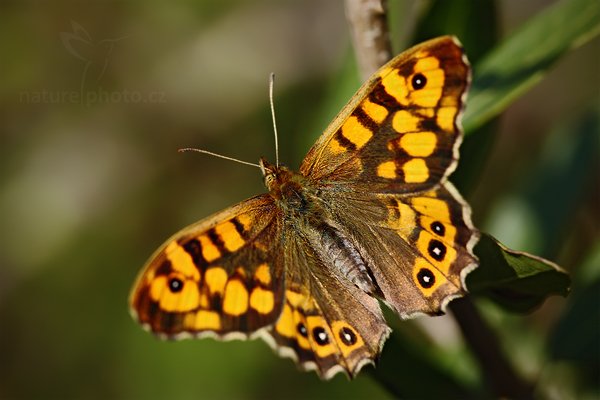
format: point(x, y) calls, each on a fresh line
point(175, 285)
point(269, 179)
point(419, 81)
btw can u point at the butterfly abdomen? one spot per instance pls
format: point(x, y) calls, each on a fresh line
point(345, 259)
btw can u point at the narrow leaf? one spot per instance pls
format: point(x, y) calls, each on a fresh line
point(522, 60)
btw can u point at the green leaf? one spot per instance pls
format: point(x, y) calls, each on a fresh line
point(521, 60)
point(517, 281)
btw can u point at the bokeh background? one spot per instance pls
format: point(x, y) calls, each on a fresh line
point(95, 99)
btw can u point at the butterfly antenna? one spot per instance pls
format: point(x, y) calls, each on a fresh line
point(271, 82)
point(210, 153)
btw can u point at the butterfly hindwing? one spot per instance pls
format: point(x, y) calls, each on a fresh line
point(418, 248)
point(327, 323)
point(220, 276)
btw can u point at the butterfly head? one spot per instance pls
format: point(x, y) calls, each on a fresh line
point(272, 174)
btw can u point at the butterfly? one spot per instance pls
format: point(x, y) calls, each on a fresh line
point(370, 215)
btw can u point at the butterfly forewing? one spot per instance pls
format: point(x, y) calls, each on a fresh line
point(400, 132)
point(220, 276)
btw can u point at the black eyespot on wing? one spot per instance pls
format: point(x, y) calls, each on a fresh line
point(426, 278)
point(320, 336)
point(418, 81)
point(175, 285)
point(347, 336)
point(437, 250)
point(302, 329)
point(438, 228)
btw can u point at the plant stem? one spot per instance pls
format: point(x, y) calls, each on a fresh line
point(370, 34)
point(485, 346)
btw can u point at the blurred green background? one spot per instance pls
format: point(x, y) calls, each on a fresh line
point(95, 99)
